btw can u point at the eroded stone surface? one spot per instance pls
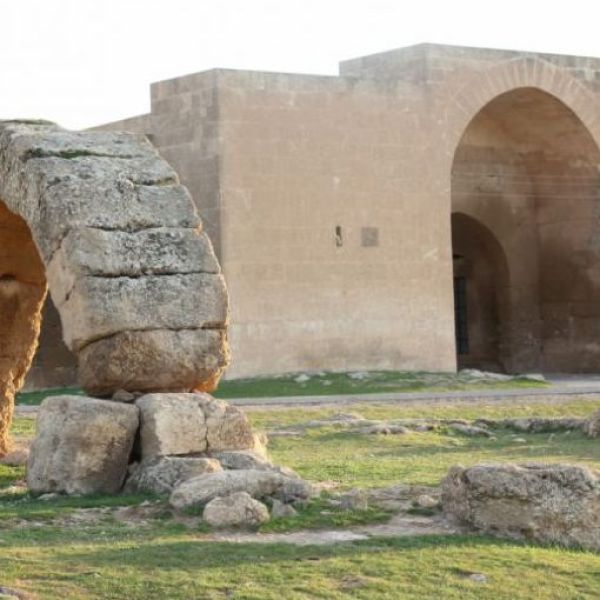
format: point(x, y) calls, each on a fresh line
point(98, 307)
point(160, 474)
point(154, 360)
point(259, 484)
point(235, 510)
point(82, 445)
point(558, 504)
point(179, 424)
point(171, 424)
point(228, 427)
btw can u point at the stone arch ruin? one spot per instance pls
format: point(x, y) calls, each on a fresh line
point(101, 221)
point(526, 168)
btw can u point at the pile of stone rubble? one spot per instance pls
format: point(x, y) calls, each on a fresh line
point(200, 450)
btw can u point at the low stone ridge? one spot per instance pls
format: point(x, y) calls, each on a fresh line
point(235, 510)
point(259, 484)
point(557, 504)
point(82, 445)
point(478, 427)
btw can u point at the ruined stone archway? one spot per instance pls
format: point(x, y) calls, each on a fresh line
point(528, 169)
point(103, 219)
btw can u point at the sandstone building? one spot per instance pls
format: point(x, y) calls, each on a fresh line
point(428, 207)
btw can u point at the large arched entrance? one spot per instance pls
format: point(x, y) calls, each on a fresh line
point(526, 171)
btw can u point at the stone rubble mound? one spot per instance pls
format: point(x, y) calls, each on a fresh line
point(189, 445)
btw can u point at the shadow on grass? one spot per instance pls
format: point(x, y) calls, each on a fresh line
point(199, 554)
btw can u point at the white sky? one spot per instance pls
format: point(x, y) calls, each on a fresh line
point(86, 62)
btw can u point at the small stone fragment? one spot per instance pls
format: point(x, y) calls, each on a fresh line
point(161, 474)
point(425, 501)
point(259, 484)
point(16, 458)
point(591, 426)
point(354, 500)
point(238, 509)
point(123, 396)
point(470, 430)
point(279, 510)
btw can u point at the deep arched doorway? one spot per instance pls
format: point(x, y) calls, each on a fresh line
point(480, 294)
point(526, 169)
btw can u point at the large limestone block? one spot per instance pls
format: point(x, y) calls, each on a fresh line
point(82, 445)
point(157, 251)
point(558, 504)
point(259, 484)
point(154, 361)
point(111, 205)
point(178, 424)
point(236, 510)
point(102, 306)
point(171, 424)
point(160, 474)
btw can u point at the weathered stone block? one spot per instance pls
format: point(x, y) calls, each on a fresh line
point(259, 484)
point(228, 427)
point(236, 510)
point(157, 251)
point(557, 504)
point(171, 424)
point(82, 445)
point(160, 474)
point(153, 361)
point(98, 307)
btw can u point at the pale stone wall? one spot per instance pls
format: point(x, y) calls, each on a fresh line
point(278, 162)
point(302, 156)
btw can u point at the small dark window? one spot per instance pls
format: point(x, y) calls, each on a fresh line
point(460, 315)
point(339, 241)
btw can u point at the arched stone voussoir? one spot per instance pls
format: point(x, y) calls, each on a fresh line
point(139, 290)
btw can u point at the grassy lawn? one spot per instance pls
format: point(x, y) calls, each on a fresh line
point(162, 558)
point(324, 384)
point(371, 382)
point(170, 563)
point(355, 460)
